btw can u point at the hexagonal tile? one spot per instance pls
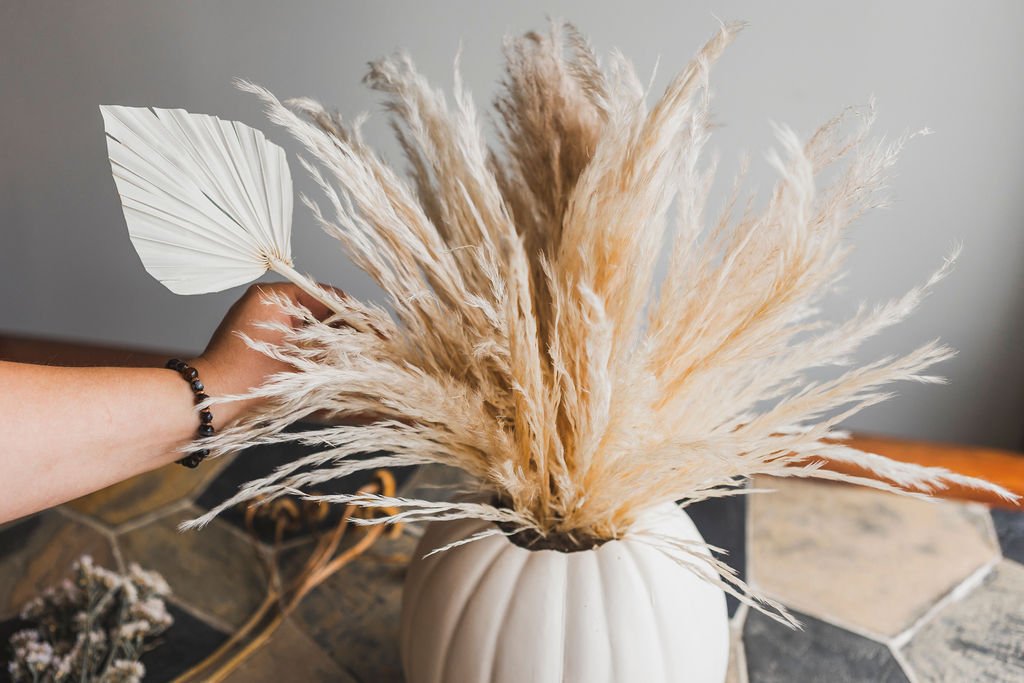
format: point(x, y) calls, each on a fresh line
point(723, 523)
point(289, 655)
point(1010, 530)
point(214, 569)
point(38, 551)
point(258, 462)
point(354, 614)
point(132, 498)
point(872, 560)
point(776, 653)
point(979, 638)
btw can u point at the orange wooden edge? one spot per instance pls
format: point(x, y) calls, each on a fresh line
point(1004, 468)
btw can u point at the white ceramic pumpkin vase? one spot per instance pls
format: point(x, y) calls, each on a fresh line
point(491, 611)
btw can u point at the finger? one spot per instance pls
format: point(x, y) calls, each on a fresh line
point(297, 295)
point(317, 309)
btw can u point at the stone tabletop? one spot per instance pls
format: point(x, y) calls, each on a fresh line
point(887, 588)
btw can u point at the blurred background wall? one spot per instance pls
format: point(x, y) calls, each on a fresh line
point(67, 269)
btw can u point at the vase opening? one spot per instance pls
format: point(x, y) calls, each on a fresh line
point(531, 539)
point(563, 543)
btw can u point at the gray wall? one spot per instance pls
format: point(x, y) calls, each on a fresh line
point(67, 268)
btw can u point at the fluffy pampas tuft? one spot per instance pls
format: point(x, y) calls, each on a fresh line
point(527, 340)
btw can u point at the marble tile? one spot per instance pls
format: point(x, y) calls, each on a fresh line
point(354, 615)
point(186, 643)
point(213, 569)
point(723, 523)
point(259, 462)
point(872, 560)
point(289, 655)
point(979, 638)
point(1010, 530)
point(38, 551)
point(132, 498)
point(776, 653)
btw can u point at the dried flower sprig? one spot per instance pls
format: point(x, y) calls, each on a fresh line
point(528, 341)
point(94, 627)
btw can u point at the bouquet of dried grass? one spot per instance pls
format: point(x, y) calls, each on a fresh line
point(528, 342)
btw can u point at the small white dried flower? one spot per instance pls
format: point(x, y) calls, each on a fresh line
point(84, 624)
point(152, 610)
point(105, 577)
point(63, 667)
point(133, 629)
point(29, 649)
point(130, 593)
point(33, 609)
point(124, 671)
point(148, 581)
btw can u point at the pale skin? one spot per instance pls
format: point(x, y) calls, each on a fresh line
point(71, 431)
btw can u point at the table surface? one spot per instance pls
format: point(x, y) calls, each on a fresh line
point(887, 588)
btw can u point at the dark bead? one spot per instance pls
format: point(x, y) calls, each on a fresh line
point(179, 365)
point(197, 385)
point(190, 373)
point(201, 397)
point(172, 364)
point(206, 416)
point(206, 430)
point(190, 461)
point(202, 453)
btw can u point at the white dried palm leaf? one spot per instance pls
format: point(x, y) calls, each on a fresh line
point(208, 202)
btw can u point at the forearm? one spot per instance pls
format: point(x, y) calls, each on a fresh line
point(70, 431)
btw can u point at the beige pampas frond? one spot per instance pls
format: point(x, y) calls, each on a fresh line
point(528, 342)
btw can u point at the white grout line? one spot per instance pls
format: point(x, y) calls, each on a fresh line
point(739, 619)
point(904, 665)
point(990, 525)
point(959, 592)
point(82, 518)
point(151, 516)
point(736, 624)
point(742, 675)
point(831, 620)
point(99, 527)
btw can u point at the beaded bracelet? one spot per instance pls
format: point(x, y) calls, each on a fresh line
point(191, 375)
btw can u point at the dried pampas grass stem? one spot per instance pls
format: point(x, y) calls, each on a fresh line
point(529, 342)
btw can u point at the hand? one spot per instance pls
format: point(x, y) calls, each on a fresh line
point(229, 365)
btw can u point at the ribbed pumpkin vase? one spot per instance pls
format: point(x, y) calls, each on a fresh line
point(491, 611)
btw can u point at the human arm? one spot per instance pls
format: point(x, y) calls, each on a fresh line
point(70, 431)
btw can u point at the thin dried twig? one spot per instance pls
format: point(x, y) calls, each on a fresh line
point(322, 563)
